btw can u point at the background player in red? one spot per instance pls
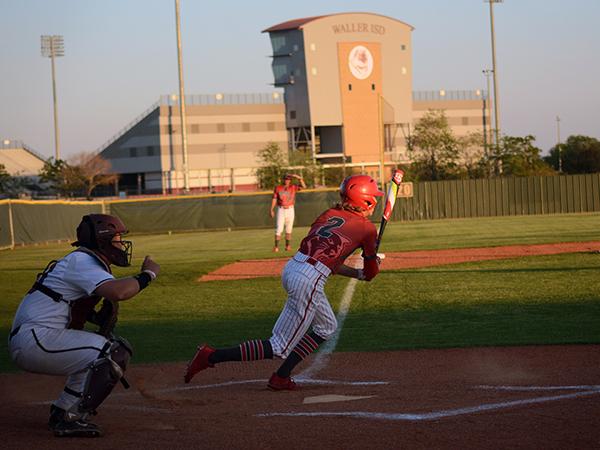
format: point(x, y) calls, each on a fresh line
point(284, 197)
point(334, 236)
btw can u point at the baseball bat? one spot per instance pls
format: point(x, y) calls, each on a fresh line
point(390, 201)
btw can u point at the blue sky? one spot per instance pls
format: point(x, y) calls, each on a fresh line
point(121, 55)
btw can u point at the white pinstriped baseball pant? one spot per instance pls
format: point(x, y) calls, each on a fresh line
point(306, 305)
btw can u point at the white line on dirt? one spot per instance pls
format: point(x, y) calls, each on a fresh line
point(541, 388)
point(262, 381)
point(231, 383)
point(434, 414)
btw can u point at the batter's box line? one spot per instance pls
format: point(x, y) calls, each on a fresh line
point(231, 383)
point(540, 388)
point(434, 415)
point(303, 380)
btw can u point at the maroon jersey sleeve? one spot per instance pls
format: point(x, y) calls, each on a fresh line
point(336, 234)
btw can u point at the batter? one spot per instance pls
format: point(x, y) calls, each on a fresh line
point(307, 319)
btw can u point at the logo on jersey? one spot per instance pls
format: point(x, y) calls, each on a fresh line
point(327, 241)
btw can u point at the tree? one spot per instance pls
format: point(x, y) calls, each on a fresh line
point(88, 171)
point(520, 158)
point(12, 186)
point(473, 162)
point(80, 176)
point(273, 166)
point(311, 171)
point(433, 147)
point(53, 173)
point(4, 178)
point(579, 154)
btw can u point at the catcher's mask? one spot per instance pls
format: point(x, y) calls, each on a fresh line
point(98, 232)
point(360, 191)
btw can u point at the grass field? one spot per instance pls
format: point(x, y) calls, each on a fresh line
point(533, 300)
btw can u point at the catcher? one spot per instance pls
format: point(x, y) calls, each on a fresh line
point(48, 333)
point(334, 236)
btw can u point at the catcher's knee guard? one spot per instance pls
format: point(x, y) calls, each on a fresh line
point(103, 374)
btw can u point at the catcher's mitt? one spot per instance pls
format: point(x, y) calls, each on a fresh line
point(106, 317)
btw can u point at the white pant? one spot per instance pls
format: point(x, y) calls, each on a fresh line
point(284, 218)
point(57, 352)
point(306, 305)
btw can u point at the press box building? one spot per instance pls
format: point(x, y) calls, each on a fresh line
point(343, 92)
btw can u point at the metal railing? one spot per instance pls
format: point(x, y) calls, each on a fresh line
point(12, 144)
point(259, 98)
point(128, 127)
point(442, 94)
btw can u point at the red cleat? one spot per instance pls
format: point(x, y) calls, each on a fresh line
point(199, 362)
point(276, 383)
point(288, 248)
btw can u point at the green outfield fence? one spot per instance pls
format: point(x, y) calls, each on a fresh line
point(26, 222)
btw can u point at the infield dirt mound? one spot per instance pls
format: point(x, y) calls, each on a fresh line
point(254, 268)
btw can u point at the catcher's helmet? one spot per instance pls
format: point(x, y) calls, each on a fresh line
point(360, 191)
point(96, 232)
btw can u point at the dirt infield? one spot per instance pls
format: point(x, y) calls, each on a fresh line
point(521, 397)
point(252, 268)
point(514, 397)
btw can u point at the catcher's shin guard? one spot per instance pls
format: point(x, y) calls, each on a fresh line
point(103, 374)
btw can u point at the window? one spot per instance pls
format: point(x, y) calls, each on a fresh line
point(465, 121)
point(373, 87)
point(403, 47)
point(220, 128)
point(349, 87)
point(292, 114)
point(195, 128)
point(133, 152)
point(271, 126)
point(245, 126)
point(150, 151)
point(278, 42)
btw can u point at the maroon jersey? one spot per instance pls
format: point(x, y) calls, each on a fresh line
point(336, 234)
point(286, 196)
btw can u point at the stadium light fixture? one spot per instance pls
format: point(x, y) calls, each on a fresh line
point(54, 47)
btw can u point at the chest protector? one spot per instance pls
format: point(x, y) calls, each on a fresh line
point(81, 309)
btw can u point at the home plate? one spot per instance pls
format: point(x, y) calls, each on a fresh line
point(330, 398)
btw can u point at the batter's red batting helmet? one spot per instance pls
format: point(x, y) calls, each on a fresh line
point(96, 232)
point(360, 191)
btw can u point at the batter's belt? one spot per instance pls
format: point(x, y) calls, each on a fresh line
point(318, 265)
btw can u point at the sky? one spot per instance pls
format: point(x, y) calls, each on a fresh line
point(121, 55)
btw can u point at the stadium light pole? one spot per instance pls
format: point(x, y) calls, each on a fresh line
point(495, 78)
point(186, 173)
point(53, 47)
point(488, 73)
point(558, 144)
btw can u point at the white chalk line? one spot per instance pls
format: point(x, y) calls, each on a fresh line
point(541, 388)
point(230, 383)
point(415, 417)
